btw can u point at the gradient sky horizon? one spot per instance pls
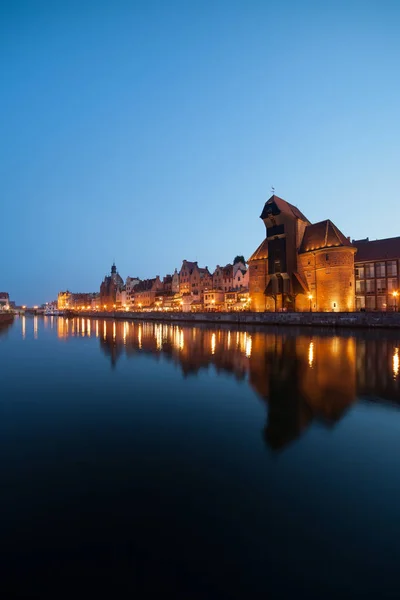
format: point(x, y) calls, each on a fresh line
point(150, 132)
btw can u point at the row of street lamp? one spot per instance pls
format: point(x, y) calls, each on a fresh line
point(394, 294)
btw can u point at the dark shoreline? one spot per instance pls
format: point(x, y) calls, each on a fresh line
point(6, 318)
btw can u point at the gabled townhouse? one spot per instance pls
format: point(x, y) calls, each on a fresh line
point(145, 293)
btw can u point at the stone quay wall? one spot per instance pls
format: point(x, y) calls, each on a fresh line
point(367, 320)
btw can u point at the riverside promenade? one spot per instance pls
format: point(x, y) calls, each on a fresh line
point(366, 320)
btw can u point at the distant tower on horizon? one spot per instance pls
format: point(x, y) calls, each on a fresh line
point(110, 285)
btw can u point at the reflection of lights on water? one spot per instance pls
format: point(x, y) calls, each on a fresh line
point(104, 330)
point(237, 339)
point(248, 346)
point(51, 322)
point(77, 326)
point(213, 338)
point(60, 327)
point(229, 339)
point(396, 366)
point(311, 354)
point(35, 327)
point(114, 331)
point(158, 336)
point(23, 324)
point(124, 333)
point(181, 340)
point(140, 337)
point(243, 342)
point(97, 329)
point(83, 327)
point(88, 326)
point(335, 345)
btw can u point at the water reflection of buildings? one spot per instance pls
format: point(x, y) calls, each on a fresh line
point(302, 377)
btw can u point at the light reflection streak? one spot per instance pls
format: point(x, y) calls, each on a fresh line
point(23, 325)
point(104, 330)
point(97, 329)
point(213, 338)
point(114, 331)
point(83, 327)
point(248, 346)
point(35, 327)
point(60, 327)
point(396, 365)
point(124, 332)
point(140, 337)
point(181, 341)
point(88, 326)
point(158, 336)
point(311, 354)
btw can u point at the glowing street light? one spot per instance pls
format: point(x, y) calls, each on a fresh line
point(395, 294)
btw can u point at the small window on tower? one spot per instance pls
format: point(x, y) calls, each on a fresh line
point(327, 256)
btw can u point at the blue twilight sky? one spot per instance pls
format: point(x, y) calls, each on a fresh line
point(149, 132)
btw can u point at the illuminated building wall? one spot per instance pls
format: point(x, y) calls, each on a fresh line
point(301, 266)
point(378, 274)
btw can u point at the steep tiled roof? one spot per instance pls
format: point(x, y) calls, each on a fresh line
point(261, 252)
point(386, 249)
point(227, 270)
point(322, 235)
point(283, 207)
point(190, 265)
point(144, 286)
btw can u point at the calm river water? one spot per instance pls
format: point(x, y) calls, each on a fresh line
point(199, 462)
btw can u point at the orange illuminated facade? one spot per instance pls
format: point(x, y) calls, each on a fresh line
point(301, 266)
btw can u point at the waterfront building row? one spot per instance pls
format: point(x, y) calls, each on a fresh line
point(193, 288)
point(4, 301)
point(299, 266)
